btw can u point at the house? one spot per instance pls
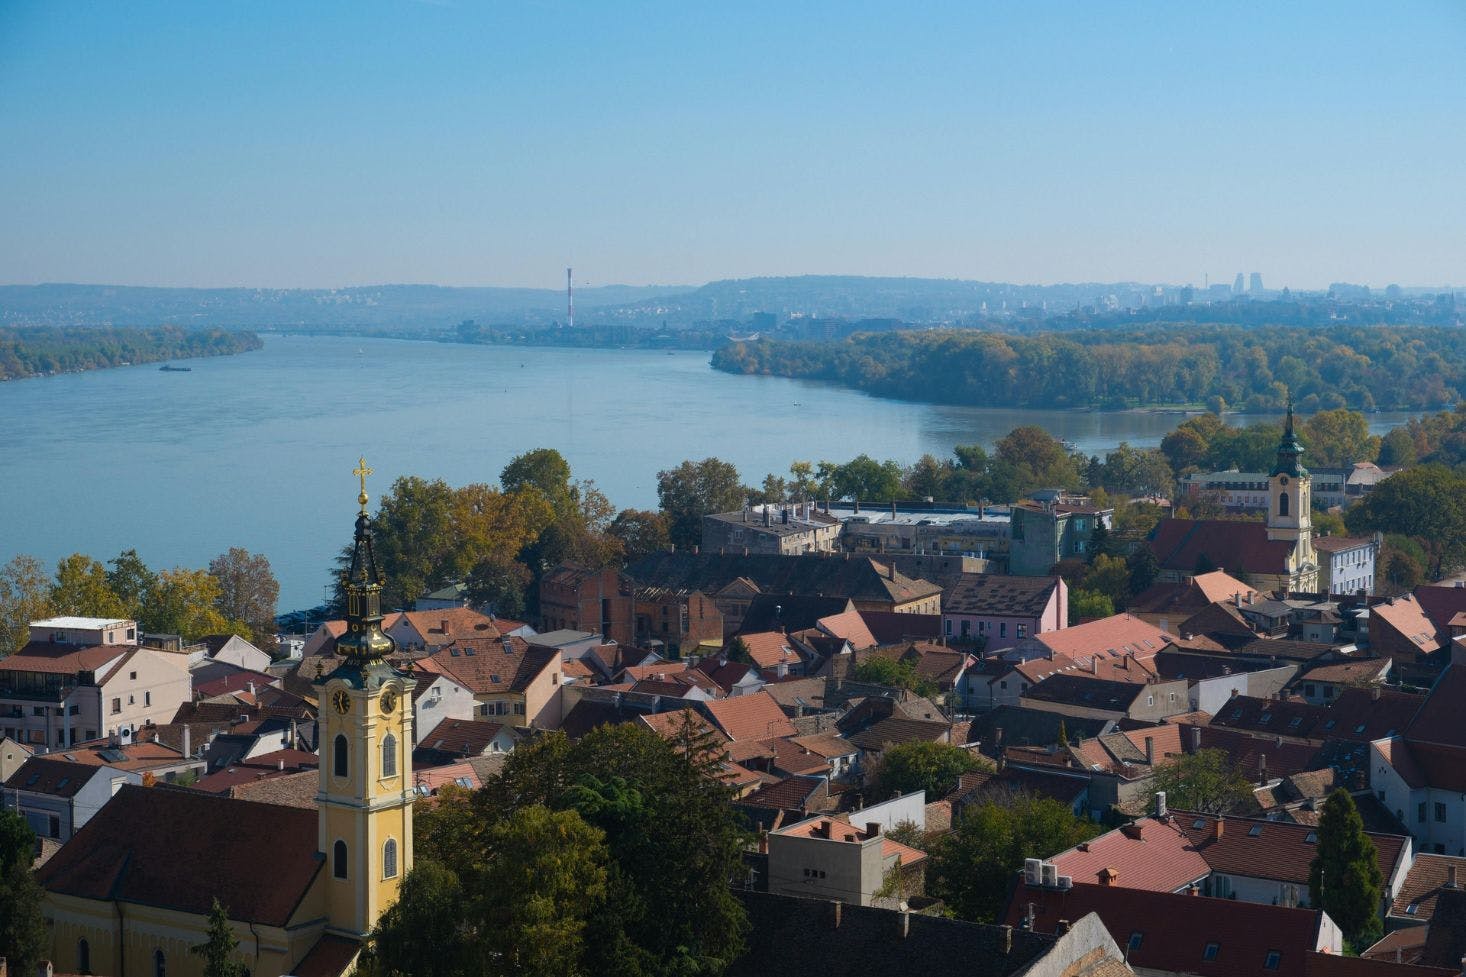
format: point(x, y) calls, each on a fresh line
point(581, 599)
point(77, 679)
point(57, 796)
point(1420, 772)
point(1098, 698)
point(234, 650)
point(420, 632)
point(926, 534)
point(773, 652)
point(781, 529)
point(439, 696)
point(1003, 683)
point(749, 717)
point(1167, 604)
point(826, 858)
point(1166, 933)
point(1445, 606)
point(1051, 527)
point(1108, 639)
point(1322, 684)
point(797, 937)
point(1002, 610)
point(509, 679)
point(12, 755)
point(1429, 876)
point(1346, 564)
point(458, 739)
point(574, 645)
point(675, 621)
point(1400, 629)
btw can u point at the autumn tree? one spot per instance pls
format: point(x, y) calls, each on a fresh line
point(1206, 782)
point(81, 588)
point(25, 596)
point(248, 592)
point(972, 868)
point(1337, 438)
point(923, 765)
point(694, 489)
point(894, 672)
point(130, 579)
point(23, 934)
point(186, 602)
point(220, 946)
point(640, 532)
point(1344, 879)
point(1028, 458)
point(1427, 503)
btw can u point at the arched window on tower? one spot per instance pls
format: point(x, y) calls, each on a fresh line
point(338, 860)
point(389, 859)
point(1283, 504)
point(389, 756)
point(83, 957)
point(339, 756)
point(160, 964)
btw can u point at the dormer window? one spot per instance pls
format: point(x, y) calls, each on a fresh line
point(1210, 951)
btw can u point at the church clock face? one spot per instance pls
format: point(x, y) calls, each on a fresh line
point(1284, 480)
point(341, 701)
point(389, 702)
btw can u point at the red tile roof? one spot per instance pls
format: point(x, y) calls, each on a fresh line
point(332, 956)
point(1154, 855)
point(1108, 638)
point(62, 659)
point(483, 666)
point(1427, 878)
point(1275, 850)
point(770, 649)
point(133, 851)
point(1181, 545)
point(850, 626)
point(1439, 717)
point(750, 717)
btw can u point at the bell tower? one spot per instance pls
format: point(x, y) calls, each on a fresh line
point(365, 795)
point(1290, 507)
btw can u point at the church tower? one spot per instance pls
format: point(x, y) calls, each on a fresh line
point(365, 796)
point(1290, 508)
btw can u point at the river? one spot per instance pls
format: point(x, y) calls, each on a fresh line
point(256, 450)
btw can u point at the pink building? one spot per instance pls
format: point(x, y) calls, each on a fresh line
point(1003, 610)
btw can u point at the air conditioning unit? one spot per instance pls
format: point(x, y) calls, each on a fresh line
point(1049, 874)
point(1066, 882)
point(1032, 871)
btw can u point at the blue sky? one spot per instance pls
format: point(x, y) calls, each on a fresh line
point(289, 144)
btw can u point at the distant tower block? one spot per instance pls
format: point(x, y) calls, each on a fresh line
point(570, 298)
point(1255, 285)
point(1237, 284)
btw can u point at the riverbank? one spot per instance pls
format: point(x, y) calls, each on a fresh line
point(31, 352)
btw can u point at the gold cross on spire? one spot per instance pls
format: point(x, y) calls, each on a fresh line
point(362, 471)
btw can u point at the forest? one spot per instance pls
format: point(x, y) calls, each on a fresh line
point(1222, 367)
point(30, 351)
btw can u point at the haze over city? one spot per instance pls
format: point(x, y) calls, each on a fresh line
point(321, 145)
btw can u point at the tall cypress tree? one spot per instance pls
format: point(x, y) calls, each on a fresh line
point(1344, 879)
point(219, 947)
point(22, 930)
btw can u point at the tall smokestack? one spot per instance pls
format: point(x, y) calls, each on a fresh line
point(570, 298)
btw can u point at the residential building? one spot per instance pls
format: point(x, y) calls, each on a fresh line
point(1400, 629)
point(673, 622)
point(1000, 610)
point(825, 858)
point(782, 529)
point(1429, 877)
point(439, 696)
point(77, 680)
point(1420, 773)
point(581, 599)
point(925, 530)
point(234, 650)
point(1051, 527)
point(57, 796)
point(510, 680)
point(1346, 564)
point(1078, 694)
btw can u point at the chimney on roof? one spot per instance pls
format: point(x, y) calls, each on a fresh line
point(187, 750)
point(1450, 876)
point(1219, 828)
point(763, 841)
point(1109, 876)
point(250, 688)
point(891, 570)
point(43, 969)
point(835, 905)
point(1261, 769)
point(1236, 598)
point(905, 924)
point(1094, 664)
point(1150, 750)
point(1160, 805)
point(1007, 939)
point(280, 764)
point(1374, 693)
point(1062, 928)
point(694, 549)
point(872, 829)
point(1028, 917)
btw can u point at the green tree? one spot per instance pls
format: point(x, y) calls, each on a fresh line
point(220, 945)
point(428, 931)
point(1144, 569)
point(1109, 575)
point(675, 843)
point(1034, 459)
point(23, 935)
point(922, 765)
point(1205, 782)
point(544, 469)
point(25, 596)
point(972, 868)
point(1397, 447)
point(1428, 503)
point(545, 877)
point(1137, 471)
point(248, 592)
point(694, 489)
point(1344, 879)
point(82, 589)
point(185, 602)
point(500, 583)
point(865, 478)
point(131, 580)
point(1336, 438)
point(1087, 605)
point(897, 673)
point(641, 532)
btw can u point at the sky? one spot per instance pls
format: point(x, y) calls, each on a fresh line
point(328, 144)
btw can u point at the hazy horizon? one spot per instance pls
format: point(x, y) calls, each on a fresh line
point(337, 145)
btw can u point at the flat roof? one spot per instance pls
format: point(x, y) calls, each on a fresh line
point(565, 636)
point(87, 623)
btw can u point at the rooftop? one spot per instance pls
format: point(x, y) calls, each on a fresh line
point(81, 623)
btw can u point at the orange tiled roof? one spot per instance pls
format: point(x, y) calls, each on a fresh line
point(750, 717)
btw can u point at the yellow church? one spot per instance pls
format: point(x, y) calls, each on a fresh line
point(130, 893)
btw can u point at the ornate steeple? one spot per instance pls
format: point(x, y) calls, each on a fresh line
point(1289, 449)
point(363, 643)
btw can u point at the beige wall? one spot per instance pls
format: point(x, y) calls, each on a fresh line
point(161, 685)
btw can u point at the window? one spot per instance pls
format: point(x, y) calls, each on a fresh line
point(1282, 506)
point(1272, 961)
point(389, 757)
point(1440, 811)
point(389, 859)
point(147, 698)
point(83, 957)
point(1255, 832)
point(1210, 951)
point(1022, 630)
point(339, 749)
point(338, 860)
point(1135, 940)
point(160, 964)
point(966, 628)
point(1150, 700)
point(947, 627)
point(132, 676)
point(1309, 690)
point(116, 708)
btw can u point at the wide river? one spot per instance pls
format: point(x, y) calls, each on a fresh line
point(256, 450)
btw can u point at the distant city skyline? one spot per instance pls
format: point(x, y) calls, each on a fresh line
point(348, 144)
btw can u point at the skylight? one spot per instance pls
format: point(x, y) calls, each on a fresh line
point(1198, 824)
point(1272, 961)
point(1210, 951)
point(1255, 832)
point(1312, 838)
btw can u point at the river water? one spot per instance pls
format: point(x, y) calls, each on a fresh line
point(256, 450)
